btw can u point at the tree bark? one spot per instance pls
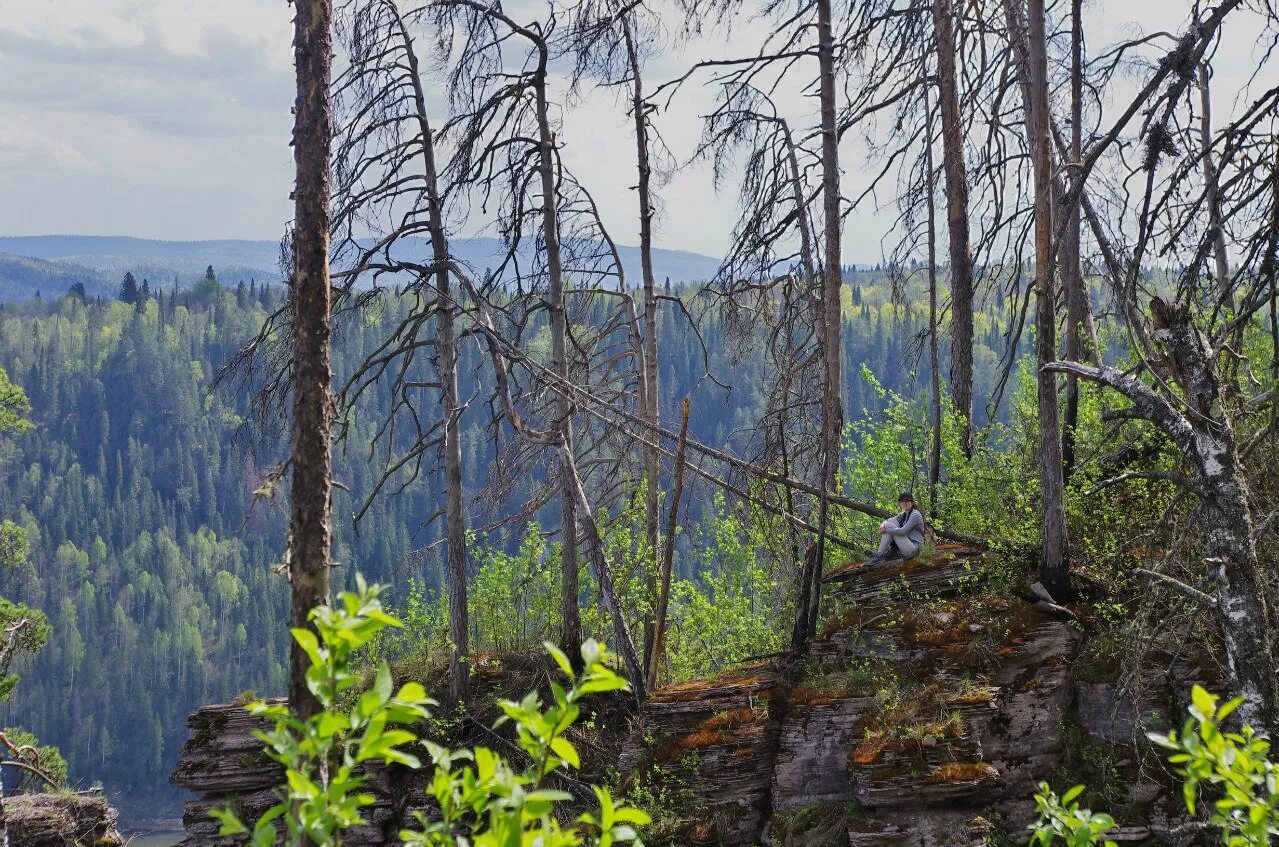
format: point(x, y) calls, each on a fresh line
point(934, 354)
point(832, 319)
point(450, 405)
point(1054, 571)
point(1212, 192)
point(311, 486)
point(961, 262)
point(649, 377)
point(1072, 273)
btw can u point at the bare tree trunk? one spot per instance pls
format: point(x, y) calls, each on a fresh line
point(1212, 191)
point(446, 350)
point(961, 263)
point(311, 487)
point(668, 557)
point(571, 632)
point(1072, 272)
point(649, 378)
point(603, 574)
point(934, 354)
point(832, 319)
point(1054, 571)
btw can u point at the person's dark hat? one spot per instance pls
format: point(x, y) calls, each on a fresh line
point(906, 495)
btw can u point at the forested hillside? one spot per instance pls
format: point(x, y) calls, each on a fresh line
point(154, 562)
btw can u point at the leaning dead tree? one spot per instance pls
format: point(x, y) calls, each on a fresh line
point(610, 42)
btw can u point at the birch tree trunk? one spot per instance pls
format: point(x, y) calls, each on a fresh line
point(961, 263)
point(1054, 571)
point(1212, 191)
point(1206, 440)
point(311, 485)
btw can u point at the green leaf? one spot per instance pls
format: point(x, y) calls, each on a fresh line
point(231, 823)
point(560, 657)
point(1204, 703)
point(566, 751)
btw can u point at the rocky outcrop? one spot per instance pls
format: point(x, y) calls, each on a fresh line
point(931, 706)
point(223, 762)
point(60, 820)
point(934, 700)
point(722, 735)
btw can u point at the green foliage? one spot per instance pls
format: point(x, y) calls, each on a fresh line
point(320, 754)
point(1061, 818)
point(1236, 765)
point(46, 757)
point(14, 407)
point(993, 493)
point(727, 610)
point(515, 596)
point(483, 800)
point(486, 802)
point(24, 630)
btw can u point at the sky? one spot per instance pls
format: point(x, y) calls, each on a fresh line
point(171, 118)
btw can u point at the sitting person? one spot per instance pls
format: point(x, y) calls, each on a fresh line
point(900, 537)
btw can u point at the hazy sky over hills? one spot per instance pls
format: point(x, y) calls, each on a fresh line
point(170, 119)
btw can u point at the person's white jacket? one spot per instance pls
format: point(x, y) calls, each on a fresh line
point(911, 530)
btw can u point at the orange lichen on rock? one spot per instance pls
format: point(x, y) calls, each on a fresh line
point(977, 695)
point(730, 718)
point(697, 689)
point(869, 752)
point(705, 738)
point(963, 772)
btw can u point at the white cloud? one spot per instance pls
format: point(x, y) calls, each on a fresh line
point(170, 118)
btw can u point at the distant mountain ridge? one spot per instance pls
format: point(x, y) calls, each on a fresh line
point(100, 260)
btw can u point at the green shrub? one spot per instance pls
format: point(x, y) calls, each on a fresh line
point(1235, 764)
point(484, 801)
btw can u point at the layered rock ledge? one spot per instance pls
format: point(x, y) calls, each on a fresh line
point(937, 696)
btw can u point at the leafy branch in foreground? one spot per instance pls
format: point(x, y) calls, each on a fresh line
point(484, 801)
point(1236, 764)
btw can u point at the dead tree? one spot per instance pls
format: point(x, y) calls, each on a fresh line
point(1055, 568)
point(610, 41)
point(1184, 381)
point(506, 153)
point(1212, 189)
point(387, 170)
point(961, 260)
point(934, 356)
point(312, 482)
point(1072, 271)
